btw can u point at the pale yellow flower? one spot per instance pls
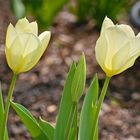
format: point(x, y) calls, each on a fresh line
point(24, 47)
point(117, 47)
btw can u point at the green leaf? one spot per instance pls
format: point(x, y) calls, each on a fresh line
point(73, 129)
point(30, 122)
point(65, 107)
point(79, 79)
point(88, 111)
point(18, 8)
point(47, 128)
point(2, 112)
point(45, 10)
point(1, 106)
point(96, 134)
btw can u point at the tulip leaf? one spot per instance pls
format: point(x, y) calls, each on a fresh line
point(2, 112)
point(88, 112)
point(79, 79)
point(73, 129)
point(45, 10)
point(47, 128)
point(18, 8)
point(1, 106)
point(30, 122)
point(96, 133)
point(65, 109)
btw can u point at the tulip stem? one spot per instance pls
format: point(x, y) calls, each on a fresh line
point(100, 101)
point(7, 106)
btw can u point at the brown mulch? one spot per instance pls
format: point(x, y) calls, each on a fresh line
point(40, 89)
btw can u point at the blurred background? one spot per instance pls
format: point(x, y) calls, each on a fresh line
point(75, 27)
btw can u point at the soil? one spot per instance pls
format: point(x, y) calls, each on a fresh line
point(40, 89)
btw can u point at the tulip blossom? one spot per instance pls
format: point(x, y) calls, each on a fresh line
point(117, 47)
point(24, 47)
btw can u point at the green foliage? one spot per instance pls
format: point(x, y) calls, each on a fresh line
point(44, 10)
point(30, 122)
point(67, 119)
point(1, 106)
point(78, 83)
point(98, 9)
point(2, 112)
point(65, 108)
point(18, 8)
point(66, 126)
point(83, 9)
point(47, 128)
point(88, 112)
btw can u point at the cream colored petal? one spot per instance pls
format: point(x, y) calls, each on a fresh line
point(32, 51)
point(34, 27)
point(135, 46)
point(45, 38)
point(101, 50)
point(133, 54)
point(31, 28)
point(10, 35)
point(30, 43)
point(24, 45)
point(14, 54)
point(138, 35)
point(127, 29)
point(120, 58)
point(32, 59)
point(106, 24)
point(21, 25)
point(130, 62)
point(116, 39)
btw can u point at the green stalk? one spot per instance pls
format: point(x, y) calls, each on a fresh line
point(100, 101)
point(7, 106)
point(70, 121)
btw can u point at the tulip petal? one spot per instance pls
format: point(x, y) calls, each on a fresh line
point(31, 60)
point(31, 28)
point(120, 58)
point(16, 56)
point(101, 50)
point(33, 57)
point(127, 29)
point(10, 35)
point(130, 62)
point(34, 28)
point(30, 43)
point(116, 38)
point(32, 52)
point(135, 46)
point(45, 38)
point(129, 53)
point(23, 26)
point(138, 35)
point(106, 24)
point(14, 53)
